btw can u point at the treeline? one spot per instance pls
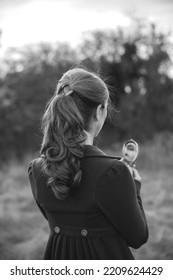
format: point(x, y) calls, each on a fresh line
point(136, 66)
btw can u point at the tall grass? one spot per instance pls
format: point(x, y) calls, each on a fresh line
point(24, 232)
point(22, 228)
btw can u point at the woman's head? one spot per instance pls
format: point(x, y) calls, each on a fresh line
point(79, 105)
point(89, 93)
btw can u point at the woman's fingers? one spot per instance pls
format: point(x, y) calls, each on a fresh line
point(132, 169)
point(136, 175)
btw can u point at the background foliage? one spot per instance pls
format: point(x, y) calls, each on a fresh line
point(135, 65)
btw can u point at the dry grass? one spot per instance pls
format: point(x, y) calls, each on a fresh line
point(24, 232)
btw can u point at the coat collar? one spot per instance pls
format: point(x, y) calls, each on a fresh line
point(94, 151)
point(91, 151)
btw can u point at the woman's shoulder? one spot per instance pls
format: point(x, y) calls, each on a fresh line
point(35, 165)
point(114, 170)
point(117, 166)
point(115, 181)
point(116, 173)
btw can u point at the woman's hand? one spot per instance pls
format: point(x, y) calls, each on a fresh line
point(136, 175)
point(132, 169)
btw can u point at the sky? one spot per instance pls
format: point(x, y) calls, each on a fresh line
point(31, 21)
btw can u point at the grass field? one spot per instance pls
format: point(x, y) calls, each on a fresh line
point(24, 232)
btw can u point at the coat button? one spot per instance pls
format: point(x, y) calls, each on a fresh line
point(84, 232)
point(57, 229)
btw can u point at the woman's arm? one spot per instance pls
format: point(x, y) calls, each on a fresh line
point(33, 186)
point(118, 197)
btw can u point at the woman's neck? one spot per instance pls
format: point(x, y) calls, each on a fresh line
point(89, 138)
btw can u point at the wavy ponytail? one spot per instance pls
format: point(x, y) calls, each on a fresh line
point(64, 122)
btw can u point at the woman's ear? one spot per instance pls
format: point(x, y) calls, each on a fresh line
point(98, 112)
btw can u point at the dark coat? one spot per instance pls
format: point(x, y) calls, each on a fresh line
point(103, 218)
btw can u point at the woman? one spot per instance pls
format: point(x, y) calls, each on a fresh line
point(90, 200)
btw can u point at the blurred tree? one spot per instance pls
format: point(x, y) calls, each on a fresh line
point(30, 81)
point(135, 63)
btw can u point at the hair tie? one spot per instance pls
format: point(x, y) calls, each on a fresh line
point(68, 91)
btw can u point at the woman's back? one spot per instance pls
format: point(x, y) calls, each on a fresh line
point(103, 216)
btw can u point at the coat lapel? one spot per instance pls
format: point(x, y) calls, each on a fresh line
point(93, 151)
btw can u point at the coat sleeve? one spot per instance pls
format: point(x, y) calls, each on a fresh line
point(118, 197)
point(34, 187)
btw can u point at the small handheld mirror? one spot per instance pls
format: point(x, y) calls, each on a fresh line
point(130, 151)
